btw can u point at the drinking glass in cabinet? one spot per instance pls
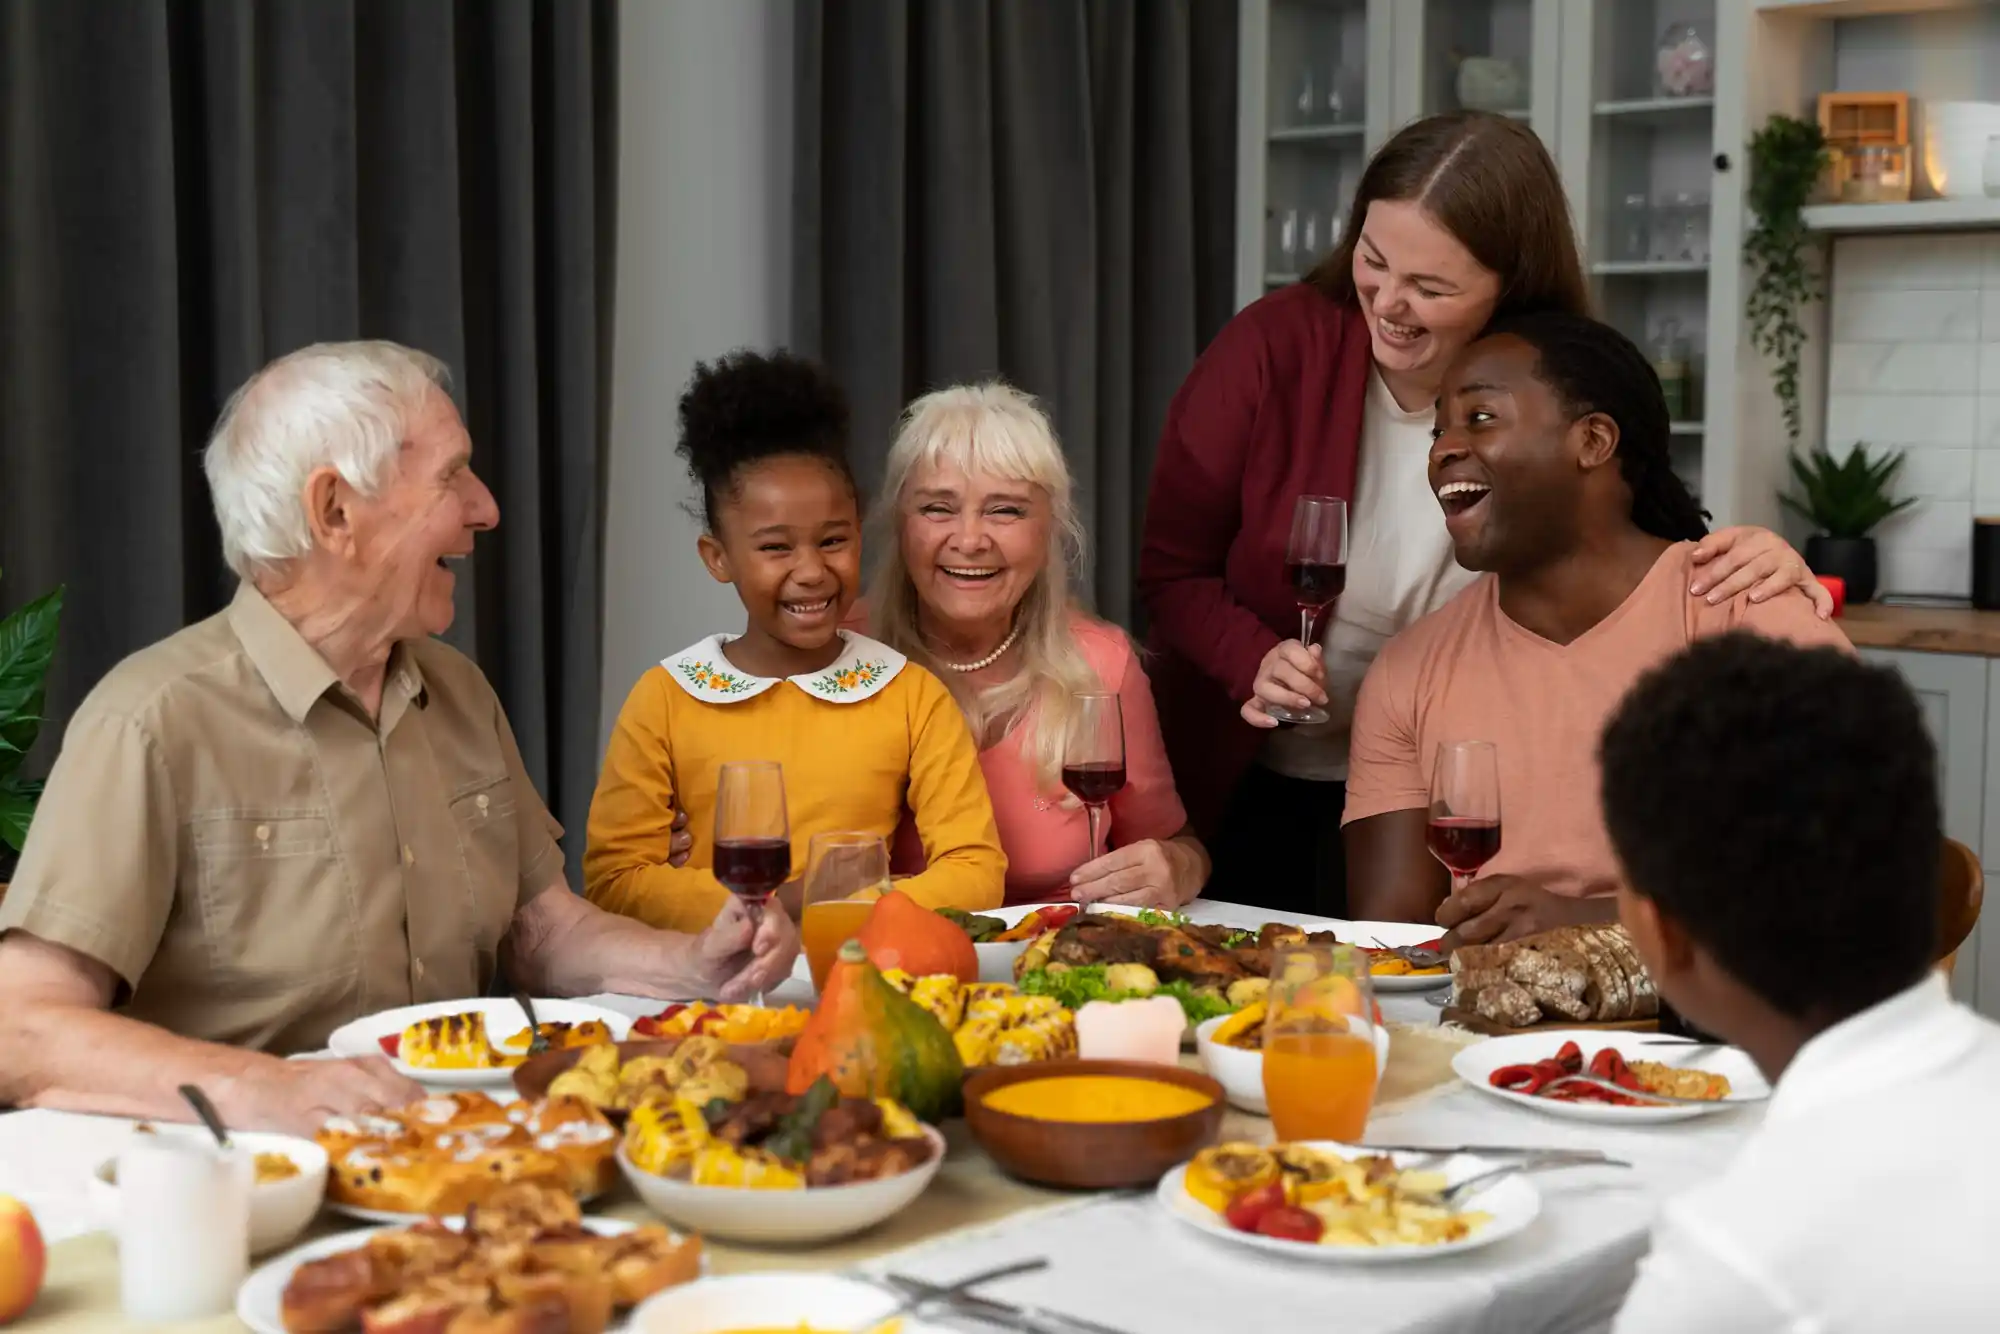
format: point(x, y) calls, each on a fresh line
point(1680, 228)
point(1312, 239)
point(1306, 98)
point(1684, 66)
point(1341, 102)
point(1631, 228)
point(1288, 241)
point(1670, 363)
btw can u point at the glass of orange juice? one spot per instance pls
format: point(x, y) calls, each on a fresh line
point(845, 874)
point(1319, 1043)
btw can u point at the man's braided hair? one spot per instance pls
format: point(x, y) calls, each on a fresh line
point(1594, 368)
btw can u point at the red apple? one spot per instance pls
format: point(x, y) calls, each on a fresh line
point(23, 1259)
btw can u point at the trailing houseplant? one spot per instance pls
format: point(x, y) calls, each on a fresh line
point(1844, 499)
point(27, 644)
point(1787, 160)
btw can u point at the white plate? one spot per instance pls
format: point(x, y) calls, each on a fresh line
point(1476, 1064)
point(765, 1217)
point(503, 1020)
point(405, 1219)
point(771, 1301)
point(1512, 1202)
point(260, 1301)
point(1366, 934)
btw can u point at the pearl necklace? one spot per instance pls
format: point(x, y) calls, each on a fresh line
point(989, 659)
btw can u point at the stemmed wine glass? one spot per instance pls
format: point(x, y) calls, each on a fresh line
point(753, 839)
point(1094, 757)
point(1464, 830)
point(1316, 567)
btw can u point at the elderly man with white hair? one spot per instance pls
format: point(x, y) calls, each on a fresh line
point(306, 809)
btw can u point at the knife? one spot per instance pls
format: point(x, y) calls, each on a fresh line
point(1487, 1150)
point(1028, 1319)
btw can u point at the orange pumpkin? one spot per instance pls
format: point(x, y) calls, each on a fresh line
point(872, 1041)
point(901, 933)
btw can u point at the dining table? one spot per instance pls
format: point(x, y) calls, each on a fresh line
point(1115, 1258)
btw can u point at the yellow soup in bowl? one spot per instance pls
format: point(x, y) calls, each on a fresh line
point(1096, 1099)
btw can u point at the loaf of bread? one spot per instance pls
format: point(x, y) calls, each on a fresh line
point(1573, 974)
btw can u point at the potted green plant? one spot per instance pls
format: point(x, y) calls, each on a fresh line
point(27, 644)
point(1844, 499)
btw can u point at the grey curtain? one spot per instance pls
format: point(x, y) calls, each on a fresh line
point(193, 187)
point(1038, 189)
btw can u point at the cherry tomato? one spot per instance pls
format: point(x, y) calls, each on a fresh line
point(1291, 1223)
point(1055, 915)
point(392, 1045)
point(1249, 1210)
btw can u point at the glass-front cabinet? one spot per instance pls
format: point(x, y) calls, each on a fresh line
point(1476, 55)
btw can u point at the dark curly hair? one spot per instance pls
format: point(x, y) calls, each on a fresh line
point(750, 406)
point(1780, 803)
point(1594, 368)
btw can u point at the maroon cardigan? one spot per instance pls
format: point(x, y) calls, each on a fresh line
point(1270, 412)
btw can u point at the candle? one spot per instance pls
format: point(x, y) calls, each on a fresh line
point(183, 1226)
point(1837, 586)
point(1132, 1030)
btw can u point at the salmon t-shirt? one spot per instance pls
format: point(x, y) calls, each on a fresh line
point(1467, 672)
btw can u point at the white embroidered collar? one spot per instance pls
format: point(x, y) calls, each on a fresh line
point(863, 668)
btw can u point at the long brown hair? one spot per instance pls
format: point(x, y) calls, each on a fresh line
point(1489, 182)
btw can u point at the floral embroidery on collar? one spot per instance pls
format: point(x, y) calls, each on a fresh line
point(863, 669)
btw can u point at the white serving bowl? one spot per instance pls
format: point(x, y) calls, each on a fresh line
point(279, 1210)
point(996, 962)
point(758, 1217)
point(769, 1301)
point(1241, 1072)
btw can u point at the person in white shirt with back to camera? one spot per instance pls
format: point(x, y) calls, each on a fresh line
point(1775, 811)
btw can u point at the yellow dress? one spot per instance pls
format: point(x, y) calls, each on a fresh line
point(859, 742)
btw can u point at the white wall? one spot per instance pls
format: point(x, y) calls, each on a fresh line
point(704, 264)
point(1915, 364)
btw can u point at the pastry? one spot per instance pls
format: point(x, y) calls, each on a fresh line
point(445, 1154)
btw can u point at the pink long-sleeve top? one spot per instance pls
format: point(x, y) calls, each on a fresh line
point(1046, 834)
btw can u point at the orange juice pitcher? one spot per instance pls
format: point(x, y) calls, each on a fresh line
point(1319, 1044)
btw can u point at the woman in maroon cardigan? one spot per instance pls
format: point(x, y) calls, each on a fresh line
point(1327, 388)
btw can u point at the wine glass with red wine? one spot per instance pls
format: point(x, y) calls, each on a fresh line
point(753, 837)
point(1464, 829)
point(1316, 568)
point(1094, 757)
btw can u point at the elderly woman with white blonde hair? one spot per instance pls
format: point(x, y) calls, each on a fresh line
point(980, 546)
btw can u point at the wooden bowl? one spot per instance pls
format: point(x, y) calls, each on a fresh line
point(1107, 1155)
point(764, 1062)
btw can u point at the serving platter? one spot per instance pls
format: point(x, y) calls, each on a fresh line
point(363, 1036)
point(1475, 1065)
point(1512, 1202)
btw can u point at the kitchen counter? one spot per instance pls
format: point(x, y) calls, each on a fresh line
point(1924, 629)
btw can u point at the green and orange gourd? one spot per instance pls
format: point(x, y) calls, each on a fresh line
point(872, 1041)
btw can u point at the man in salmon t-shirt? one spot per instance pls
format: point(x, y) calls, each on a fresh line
point(1550, 458)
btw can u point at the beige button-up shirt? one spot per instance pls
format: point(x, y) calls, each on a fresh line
point(257, 860)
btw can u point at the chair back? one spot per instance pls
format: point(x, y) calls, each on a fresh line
point(1961, 891)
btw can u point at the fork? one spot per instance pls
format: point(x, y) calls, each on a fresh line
point(1451, 1197)
point(537, 1043)
point(1642, 1097)
point(1414, 955)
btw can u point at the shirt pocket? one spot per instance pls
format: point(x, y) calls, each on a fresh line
point(486, 814)
point(273, 896)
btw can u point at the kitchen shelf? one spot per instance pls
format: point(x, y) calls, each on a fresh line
point(1916, 216)
point(1315, 134)
point(1686, 428)
point(1647, 268)
point(1655, 112)
point(1854, 9)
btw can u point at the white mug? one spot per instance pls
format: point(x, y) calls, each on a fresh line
point(183, 1227)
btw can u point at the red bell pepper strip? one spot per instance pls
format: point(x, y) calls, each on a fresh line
point(392, 1046)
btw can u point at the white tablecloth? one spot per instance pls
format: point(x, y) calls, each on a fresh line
point(1119, 1260)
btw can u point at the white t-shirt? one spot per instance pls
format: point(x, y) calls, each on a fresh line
point(1865, 1202)
point(1400, 568)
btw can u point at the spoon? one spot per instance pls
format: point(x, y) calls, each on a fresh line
point(205, 1109)
point(537, 1043)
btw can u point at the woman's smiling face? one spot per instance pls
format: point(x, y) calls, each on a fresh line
point(1424, 294)
point(973, 544)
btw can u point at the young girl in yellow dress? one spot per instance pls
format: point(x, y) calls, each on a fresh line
point(861, 732)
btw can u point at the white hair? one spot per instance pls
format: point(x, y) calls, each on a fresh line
point(995, 430)
point(345, 406)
